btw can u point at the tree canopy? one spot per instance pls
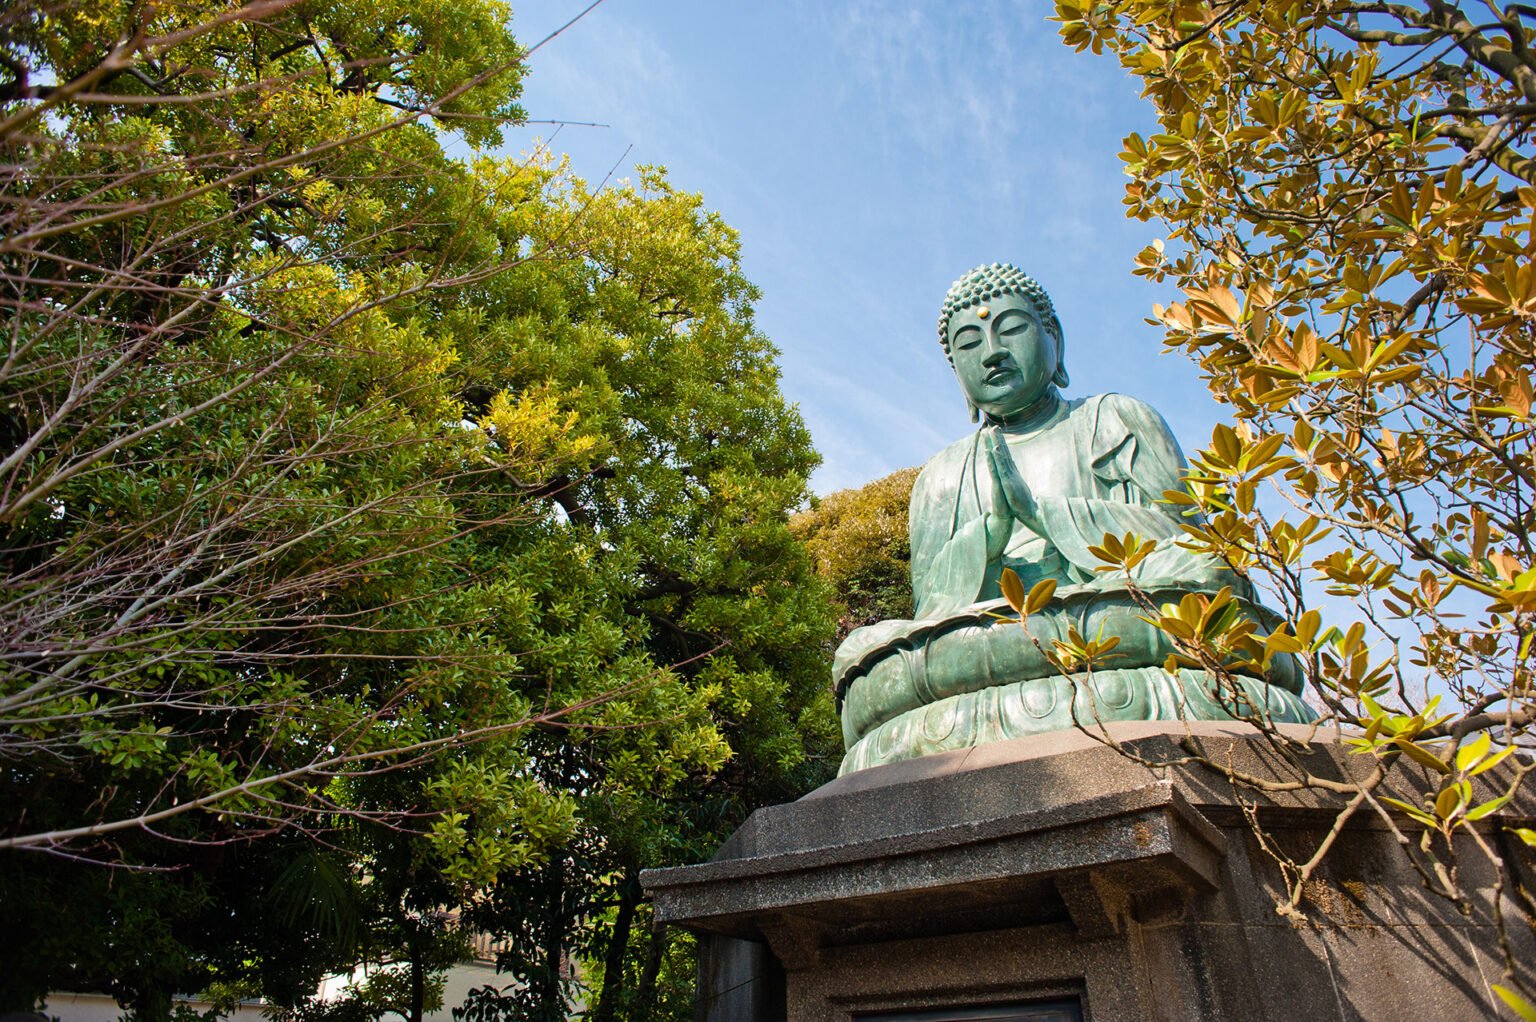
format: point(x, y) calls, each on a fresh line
point(377, 525)
point(859, 542)
point(1348, 189)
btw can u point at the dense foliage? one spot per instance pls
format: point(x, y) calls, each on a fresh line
point(1349, 192)
point(378, 527)
point(859, 543)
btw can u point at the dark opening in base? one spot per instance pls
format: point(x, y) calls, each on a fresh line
point(1037, 1011)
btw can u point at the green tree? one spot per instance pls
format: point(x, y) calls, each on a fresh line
point(687, 544)
point(344, 483)
point(858, 540)
point(235, 437)
point(1348, 188)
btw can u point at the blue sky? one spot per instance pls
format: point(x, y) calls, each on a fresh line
point(869, 152)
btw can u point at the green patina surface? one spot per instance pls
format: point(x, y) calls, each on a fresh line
point(1041, 480)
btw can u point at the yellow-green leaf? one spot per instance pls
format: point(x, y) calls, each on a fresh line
point(1447, 802)
point(1492, 761)
point(1423, 756)
point(1491, 806)
point(1471, 754)
point(1283, 643)
point(1411, 810)
point(1519, 1005)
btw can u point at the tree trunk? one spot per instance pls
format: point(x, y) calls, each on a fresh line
point(645, 993)
point(551, 999)
point(618, 943)
point(418, 986)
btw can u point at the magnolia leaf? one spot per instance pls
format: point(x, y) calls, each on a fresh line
point(1176, 627)
point(1040, 595)
point(1307, 626)
point(1471, 754)
point(1411, 810)
point(1422, 756)
point(1507, 567)
point(1491, 806)
point(1283, 643)
point(1263, 451)
point(1447, 802)
point(1492, 761)
point(1013, 589)
point(1519, 1005)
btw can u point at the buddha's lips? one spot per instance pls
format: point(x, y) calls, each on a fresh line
point(1000, 374)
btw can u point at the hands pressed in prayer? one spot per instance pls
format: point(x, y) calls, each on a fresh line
point(1010, 493)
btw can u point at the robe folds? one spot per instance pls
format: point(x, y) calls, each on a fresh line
point(1100, 465)
point(1093, 466)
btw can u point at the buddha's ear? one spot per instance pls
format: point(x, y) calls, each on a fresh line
point(975, 412)
point(1060, 379)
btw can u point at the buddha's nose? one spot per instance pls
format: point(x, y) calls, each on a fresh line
point(996, 354)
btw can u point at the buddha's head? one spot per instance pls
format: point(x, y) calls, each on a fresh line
point(1003, 340)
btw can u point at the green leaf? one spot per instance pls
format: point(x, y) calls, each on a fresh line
point(1448, 801)
point(1373, 707)
point(1472, 753)
point(1492, 761)
point(1412, 810)
point(1489, 807)
point(1519, 1005)
point(1421, 755)
point(1283, 643)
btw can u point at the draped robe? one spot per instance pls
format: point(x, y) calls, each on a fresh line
point(1098, 465)
point(963, 674)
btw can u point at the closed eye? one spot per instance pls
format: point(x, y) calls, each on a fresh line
point(1012, 323)
point(968, 338)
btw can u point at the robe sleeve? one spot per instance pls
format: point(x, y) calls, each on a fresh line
point(1133, 459)
point(1133, 455)
point(948, 532)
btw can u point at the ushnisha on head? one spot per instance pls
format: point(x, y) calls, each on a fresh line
point(1001, 335)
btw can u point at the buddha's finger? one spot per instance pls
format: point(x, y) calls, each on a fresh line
point(1015, 489)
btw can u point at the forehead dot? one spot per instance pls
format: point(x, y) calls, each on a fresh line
point(983, 312)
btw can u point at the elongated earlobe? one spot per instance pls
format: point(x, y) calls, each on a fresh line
point(1060, 379)
point(975, 412)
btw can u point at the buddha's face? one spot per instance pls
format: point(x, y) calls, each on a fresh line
point(1004, 356)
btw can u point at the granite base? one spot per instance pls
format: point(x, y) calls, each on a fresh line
point(1056, 869)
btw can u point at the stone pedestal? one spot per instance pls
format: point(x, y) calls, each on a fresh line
point(1035, 878)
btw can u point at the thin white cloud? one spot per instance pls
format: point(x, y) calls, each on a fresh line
point(868, 426)
point(620, 71)
point(967, 86)
point(870, 151)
